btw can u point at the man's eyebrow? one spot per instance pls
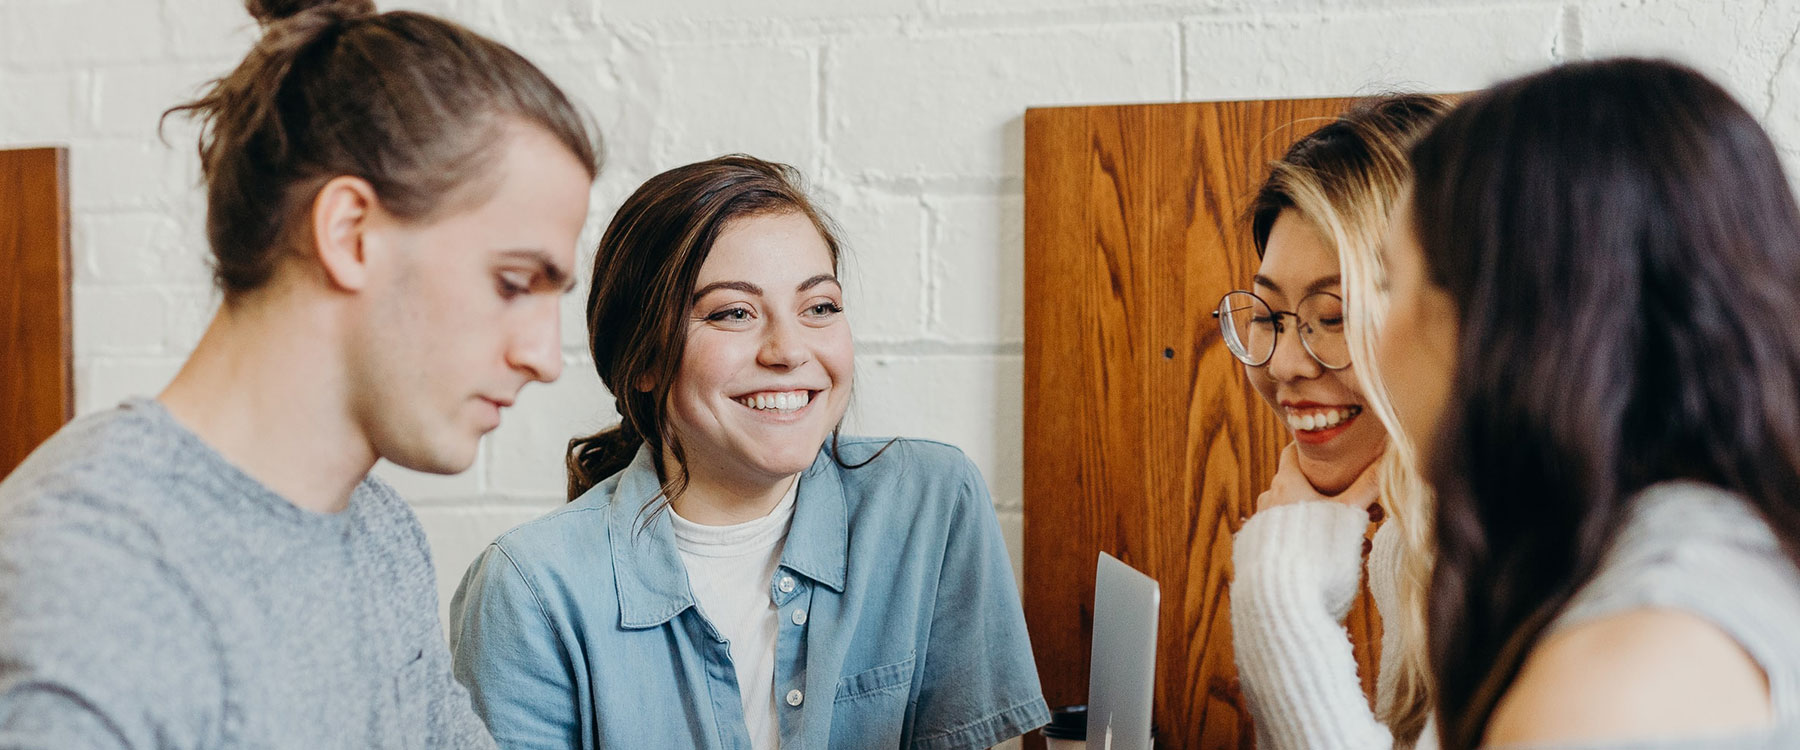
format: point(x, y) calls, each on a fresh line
point(742, 286)
point(817, 280)
point(556, 275)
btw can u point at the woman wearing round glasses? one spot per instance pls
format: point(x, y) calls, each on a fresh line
point(1317, 222)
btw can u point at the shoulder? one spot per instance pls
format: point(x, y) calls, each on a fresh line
point(107, 454)
point(99, 480)
point(558, 566)
point(93, 536)
point(574, 534)
point(893, 483)
point(913, 452)
point(920, 479)
point(926, 463)
point(1702, 550)
point(1635, 674)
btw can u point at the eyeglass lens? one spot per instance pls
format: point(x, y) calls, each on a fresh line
point(1251, 328)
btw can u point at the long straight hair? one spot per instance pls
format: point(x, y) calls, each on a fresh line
point(1344, 180)
point(1623, 251)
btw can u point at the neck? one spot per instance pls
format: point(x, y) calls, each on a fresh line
point(267, 391)
point(714, 499)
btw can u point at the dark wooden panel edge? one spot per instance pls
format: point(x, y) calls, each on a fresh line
point(36, 334)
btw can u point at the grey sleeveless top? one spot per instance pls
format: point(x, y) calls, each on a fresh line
point(1703, 550)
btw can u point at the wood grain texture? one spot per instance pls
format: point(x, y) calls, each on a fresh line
point(1142, 437)
point(37, 392)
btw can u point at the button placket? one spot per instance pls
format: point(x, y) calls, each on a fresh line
point(785, 588)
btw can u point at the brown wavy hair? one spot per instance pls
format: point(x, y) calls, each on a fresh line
point(644, 274)
point(409, 102)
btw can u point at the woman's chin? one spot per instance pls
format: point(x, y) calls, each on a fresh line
point(1331, 472)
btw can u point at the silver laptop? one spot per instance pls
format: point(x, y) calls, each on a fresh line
point(1122, 665)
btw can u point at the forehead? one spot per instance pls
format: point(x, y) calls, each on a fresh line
point(770, 250)
point(1296, 254)
point(538, 200)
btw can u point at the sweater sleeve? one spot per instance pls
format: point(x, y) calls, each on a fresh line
point(1297, 569)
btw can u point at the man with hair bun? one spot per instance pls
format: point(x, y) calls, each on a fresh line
point(393, 203)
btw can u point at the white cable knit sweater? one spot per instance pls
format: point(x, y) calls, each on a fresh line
point(1297, 570)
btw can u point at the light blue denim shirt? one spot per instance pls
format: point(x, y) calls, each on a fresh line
point(579, 629)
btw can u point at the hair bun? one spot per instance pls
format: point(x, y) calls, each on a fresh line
point(270, 11)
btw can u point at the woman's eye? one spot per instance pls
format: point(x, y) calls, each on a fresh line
point(825, 308)
point(734, 314)
point(511, 286)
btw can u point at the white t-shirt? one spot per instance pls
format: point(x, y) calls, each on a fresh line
point(731, 569)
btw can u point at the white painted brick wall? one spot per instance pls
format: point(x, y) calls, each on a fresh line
point(952, 104)
point(905, 114)
point(1338, 53)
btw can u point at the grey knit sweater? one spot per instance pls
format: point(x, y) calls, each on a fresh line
point(154, 596)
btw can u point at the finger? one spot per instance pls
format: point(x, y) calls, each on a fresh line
point(1290, 458)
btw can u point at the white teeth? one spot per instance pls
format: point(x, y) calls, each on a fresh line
point(1322, 419)
point(777, 402)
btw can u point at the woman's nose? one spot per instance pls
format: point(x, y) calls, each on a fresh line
point(1291, 361)
point(784, 348)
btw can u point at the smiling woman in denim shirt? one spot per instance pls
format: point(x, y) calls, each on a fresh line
point(730, 572)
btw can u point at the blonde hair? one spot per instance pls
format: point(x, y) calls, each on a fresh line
point(1345, 179)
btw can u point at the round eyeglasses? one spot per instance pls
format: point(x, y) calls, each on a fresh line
point(1251, 328)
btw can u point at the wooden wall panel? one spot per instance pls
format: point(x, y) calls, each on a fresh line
point(1142, 437)
point(36, 362)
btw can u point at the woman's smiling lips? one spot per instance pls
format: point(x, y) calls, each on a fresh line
point(1316, 423)
point(777, 402)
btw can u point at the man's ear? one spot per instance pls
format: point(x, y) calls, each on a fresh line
point(340, 217)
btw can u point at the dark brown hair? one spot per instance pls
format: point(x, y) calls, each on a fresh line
point(644, 276)
point(1623, 251)
point(409, 102)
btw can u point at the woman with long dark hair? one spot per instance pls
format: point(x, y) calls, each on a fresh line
point(729, 572)
point(1592, 340)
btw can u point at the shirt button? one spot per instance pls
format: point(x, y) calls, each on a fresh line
point(794, 697)
point(786, 585)
point(799, 617)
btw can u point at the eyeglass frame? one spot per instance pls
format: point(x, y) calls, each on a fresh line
point(1276, 315)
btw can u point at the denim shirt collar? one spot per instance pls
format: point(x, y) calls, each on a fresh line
point(647, 569)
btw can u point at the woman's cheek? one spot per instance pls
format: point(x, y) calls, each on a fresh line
point(1260, 381)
